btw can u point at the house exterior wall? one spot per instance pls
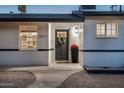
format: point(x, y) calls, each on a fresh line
point(9, 39)
point(103, 59)
point(74, 38)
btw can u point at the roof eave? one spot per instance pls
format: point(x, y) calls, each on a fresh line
point(103, 13)
point(98, 13)
point(40, 18)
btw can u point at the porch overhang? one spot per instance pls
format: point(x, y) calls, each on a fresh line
point(40, 18)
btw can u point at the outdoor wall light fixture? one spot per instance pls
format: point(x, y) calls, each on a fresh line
point(76, 30)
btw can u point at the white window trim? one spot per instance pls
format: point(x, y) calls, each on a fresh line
point(26, 49)
point(105, 37)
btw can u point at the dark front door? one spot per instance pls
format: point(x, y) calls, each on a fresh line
point(61, 45)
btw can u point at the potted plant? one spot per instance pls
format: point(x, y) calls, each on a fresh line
point(74, 53)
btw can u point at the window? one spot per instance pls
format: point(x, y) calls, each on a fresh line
point(106, 30)
point(28, 37)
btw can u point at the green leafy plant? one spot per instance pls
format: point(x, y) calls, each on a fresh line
point(61, 40)
point(22, 8)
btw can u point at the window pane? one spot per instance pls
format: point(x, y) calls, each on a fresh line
point(114, 33)
point(108, 26)
point(23, 42)
point(32, 42)
point(102, 32)
point(108, 32)
point(28, 39)
point(34, 33)
point(113, 25)
point(98, 26)
point(32, 28)
point(23, 28)
point(102, 26)
point(98, 33)
point(24, 34)
point(108, 29)
point(29, 34)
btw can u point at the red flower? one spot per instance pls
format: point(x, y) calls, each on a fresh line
point(74, 46)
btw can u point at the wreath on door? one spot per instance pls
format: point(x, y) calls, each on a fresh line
point(61, 40)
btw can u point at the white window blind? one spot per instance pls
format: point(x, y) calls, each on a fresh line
point(28, 37)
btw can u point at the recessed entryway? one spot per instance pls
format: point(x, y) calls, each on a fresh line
point(62, 37)
point(61, 46)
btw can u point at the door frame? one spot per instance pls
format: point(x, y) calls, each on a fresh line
point(66, 30)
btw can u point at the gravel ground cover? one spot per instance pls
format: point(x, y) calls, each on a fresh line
point(87, 80)
point(16, 79)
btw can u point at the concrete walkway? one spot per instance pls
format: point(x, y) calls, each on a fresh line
point(48, 77)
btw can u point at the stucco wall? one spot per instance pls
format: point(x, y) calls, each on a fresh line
point(103, 59)
point(9, 39)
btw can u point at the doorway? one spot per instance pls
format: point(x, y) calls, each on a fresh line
point(61, 45)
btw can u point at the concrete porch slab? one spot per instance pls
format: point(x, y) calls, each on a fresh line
point(47, 77)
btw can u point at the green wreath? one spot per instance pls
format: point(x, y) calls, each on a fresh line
point(61, 40)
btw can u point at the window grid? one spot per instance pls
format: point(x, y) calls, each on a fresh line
point(28, 39)
point(106, 30)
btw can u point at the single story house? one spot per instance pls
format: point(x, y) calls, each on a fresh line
point(34, 39)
